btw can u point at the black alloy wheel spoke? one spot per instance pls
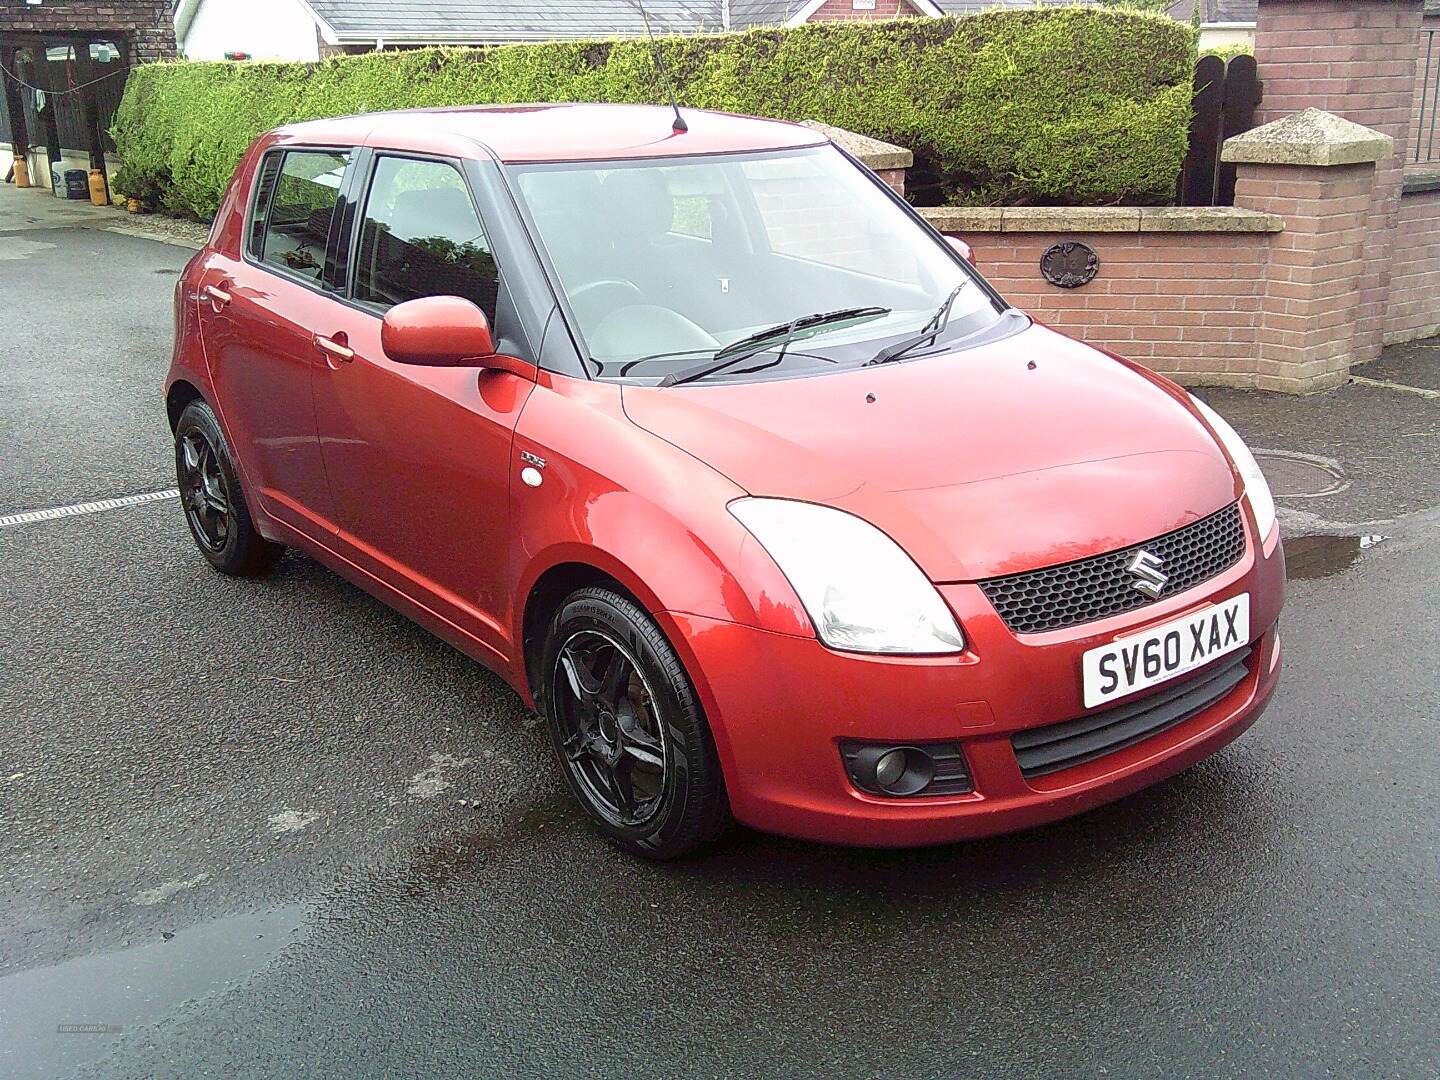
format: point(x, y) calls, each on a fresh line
point(641, 745)
point(214, 492)
point(618, 780)
point(607, 739)
point(577, 746)
point(191, 456)
point(205, 495)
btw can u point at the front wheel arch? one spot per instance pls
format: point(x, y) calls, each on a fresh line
point(545, 598)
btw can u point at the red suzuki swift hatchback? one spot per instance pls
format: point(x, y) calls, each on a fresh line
point(727, 462)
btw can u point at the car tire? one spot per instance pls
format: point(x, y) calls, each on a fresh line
point(213, 500)
point(616, 698)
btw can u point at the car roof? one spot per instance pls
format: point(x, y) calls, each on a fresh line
point(576, 132)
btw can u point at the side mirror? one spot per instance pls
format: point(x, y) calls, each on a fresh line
point(961, 248)
point(441, 331)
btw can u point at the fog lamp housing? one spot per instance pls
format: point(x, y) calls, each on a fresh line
point(906, 770)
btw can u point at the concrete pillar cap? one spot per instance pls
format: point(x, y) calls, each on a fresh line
point(1312, 137)
point(872, 153)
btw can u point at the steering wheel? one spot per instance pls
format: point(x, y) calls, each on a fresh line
point(594, 301)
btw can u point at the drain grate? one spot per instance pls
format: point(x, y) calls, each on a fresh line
point(81, 509)
point(1300, 476)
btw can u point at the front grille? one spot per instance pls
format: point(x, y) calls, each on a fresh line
point(1059, 746)
point(1088, 589)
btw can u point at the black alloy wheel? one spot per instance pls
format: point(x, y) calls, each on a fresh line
point(628, 729)
point(203, 491)
point(210, 492)
point(612, 739)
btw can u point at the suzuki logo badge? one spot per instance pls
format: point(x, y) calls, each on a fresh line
point(1149, 572)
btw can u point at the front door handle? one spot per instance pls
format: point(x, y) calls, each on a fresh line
point(218, 295)
point(335, 348)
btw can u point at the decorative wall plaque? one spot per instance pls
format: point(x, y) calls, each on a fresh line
point(1069, 264)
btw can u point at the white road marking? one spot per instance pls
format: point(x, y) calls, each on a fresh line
point(288, 821)
point(161, 893)
point(81, 509)
point(428, 783)
point(1386, 384)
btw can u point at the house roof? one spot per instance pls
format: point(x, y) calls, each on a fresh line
point(969, 7)
point(439, 21)
point(512, 20)
point(1238, 11)
point(1215, 11)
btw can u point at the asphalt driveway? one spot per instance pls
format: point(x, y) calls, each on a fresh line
point(272, 829)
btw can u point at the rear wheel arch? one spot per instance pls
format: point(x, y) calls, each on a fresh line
point(180, 394)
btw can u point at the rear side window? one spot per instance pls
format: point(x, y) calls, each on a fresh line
point(422, 237)
point(294, 206)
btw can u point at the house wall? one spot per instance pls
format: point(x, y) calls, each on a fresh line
point(1225, 37)
point(266, 29)
point(1356, 59)
point(850, 10)
point(145, 23)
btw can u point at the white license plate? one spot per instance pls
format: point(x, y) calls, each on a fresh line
point(1165, 651)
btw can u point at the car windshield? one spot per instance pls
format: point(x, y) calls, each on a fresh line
point(667, 263)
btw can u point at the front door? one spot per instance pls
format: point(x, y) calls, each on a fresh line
point(257, 320)
point(419, 458)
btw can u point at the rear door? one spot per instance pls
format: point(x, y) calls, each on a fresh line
point(419, 458)
point(258, 315)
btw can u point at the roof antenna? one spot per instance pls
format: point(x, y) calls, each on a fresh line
point(679, 127)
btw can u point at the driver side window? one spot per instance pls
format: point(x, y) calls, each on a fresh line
point(421, 237)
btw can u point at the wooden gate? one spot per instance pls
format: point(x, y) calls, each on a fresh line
point(1224, 105)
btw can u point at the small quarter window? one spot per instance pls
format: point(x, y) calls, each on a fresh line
point(294, 206)
point(422, 237)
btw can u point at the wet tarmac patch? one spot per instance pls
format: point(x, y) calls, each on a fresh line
point(55, 1019)
point(439, 864)
point(1322, 556)
point(1300, 476)
point(13, 250)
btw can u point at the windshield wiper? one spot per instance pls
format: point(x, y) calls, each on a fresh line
point(750, 344)
point(929, 332)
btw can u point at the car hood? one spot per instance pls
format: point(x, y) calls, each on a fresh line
point(1019, 453)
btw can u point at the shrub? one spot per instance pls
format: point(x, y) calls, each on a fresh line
point(1229, 52)
point(1055, 105)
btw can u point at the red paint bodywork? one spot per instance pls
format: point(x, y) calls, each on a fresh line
point(1029, 451)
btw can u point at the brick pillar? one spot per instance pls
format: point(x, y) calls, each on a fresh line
point(1356, 59)
point(1319, 173)
point(885, 160)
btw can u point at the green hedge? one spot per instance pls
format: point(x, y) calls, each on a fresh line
point(1076, 105)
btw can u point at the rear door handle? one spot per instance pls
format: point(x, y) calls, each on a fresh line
point(335, 349)
point(217, 294)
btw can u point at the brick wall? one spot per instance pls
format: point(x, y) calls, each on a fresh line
point(1179, 290)
point(1414, 310)
point(845, 10)
point(1355, 59)
point(1184, 304)
point(146, 24)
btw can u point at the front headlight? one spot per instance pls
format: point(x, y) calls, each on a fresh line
point(1257, 490)
point(863, 593)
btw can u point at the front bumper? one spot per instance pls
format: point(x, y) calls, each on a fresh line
point(780, 705)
